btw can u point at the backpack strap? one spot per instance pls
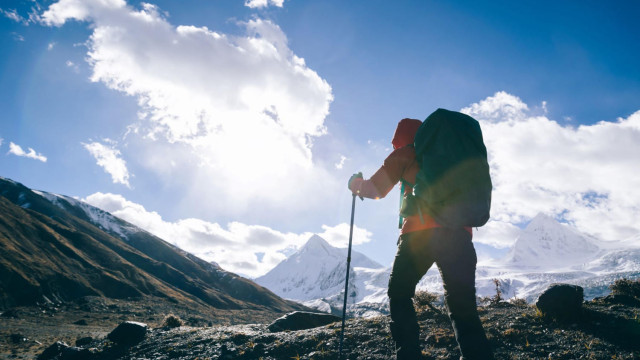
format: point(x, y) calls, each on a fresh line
point(404, 184)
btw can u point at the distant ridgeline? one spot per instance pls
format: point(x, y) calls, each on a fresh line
point(545, 252)
point(56, 248)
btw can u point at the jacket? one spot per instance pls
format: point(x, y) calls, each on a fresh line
point(400, 165)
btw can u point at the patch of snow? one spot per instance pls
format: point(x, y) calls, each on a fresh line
point(318, 304)
point(98, 217)
point(52, 198)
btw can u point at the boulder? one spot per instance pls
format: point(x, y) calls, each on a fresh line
point(128, 333)
point(561, 301)
point(301, 320)
point(84, 341)
point(76, 353)
point(53, 351)
point(17, 338)
point(622, 299)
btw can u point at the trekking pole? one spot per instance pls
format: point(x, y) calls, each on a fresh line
point(346, 283)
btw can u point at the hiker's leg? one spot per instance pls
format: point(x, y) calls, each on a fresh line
point(456, 259)
point(407, 270)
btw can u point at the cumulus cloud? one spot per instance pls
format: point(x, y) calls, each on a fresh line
point(263, 3)
point(17, 150)
point(219, 110)
point(109, 159)
point(587, 176)
point(251, 250)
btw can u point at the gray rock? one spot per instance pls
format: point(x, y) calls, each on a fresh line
point(301, 320)
point(53, 351)
point(128, 333)
point(622, 299)
point(75, 353)
point(561, 301)
point(84, 341)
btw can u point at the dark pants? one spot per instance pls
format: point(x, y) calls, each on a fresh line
point(453, 252)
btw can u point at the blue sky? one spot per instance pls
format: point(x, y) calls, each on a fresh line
point(230, 128)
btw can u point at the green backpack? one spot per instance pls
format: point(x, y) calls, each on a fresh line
point(453, 185)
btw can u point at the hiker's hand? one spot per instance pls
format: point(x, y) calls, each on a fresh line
point(353, 177)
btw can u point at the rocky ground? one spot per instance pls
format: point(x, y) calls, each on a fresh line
point(606, 329)
point(27, 331)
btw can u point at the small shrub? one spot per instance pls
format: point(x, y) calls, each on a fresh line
point(519, 302)
point(172, 321)
point(424, 299)
point(626, 287)
point(498, 296)
point(495, 299)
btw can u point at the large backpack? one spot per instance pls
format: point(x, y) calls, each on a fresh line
point(453, 185)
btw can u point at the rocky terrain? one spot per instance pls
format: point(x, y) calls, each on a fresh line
point(604, 328)
point(68, 269)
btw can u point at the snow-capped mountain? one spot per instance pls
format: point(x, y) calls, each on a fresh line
point(545, 252)
point(548, 244)
point(318, 271)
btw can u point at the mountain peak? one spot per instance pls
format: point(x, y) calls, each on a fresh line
point(316, 240)
point(542, 220)
point(546, 242)
point(316, 244)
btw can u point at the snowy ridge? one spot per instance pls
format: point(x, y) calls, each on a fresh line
point(98, 217)
point(545, 252)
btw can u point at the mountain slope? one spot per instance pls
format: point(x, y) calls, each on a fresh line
point(59, 248)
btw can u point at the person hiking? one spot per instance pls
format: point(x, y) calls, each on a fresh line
point(422, 243)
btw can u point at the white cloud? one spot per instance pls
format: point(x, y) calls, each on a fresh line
point(252, 250)
point(501, 106)
point(17, 37)
point(51, 45)
point(217, 110)
point(109, 159)
point(586, 175)
point(496, 233)
point(340, 164)
point(338, 235)
point(15, 16)
point(31, 154)
point(263, 3)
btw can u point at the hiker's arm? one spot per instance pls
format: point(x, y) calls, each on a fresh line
point(379, 185)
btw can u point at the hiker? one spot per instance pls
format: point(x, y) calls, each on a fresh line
point(422, 242)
